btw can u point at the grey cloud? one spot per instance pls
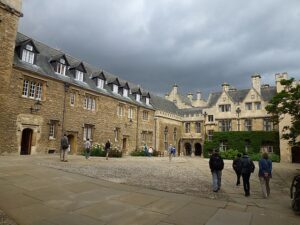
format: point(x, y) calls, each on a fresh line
point(196, 44)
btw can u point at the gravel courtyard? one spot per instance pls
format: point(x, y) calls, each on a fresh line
point(185, 175)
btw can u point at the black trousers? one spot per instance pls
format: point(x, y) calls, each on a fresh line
point(238, 177)
point(246, 183)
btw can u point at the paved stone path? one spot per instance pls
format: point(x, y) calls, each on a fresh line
point(43, 191)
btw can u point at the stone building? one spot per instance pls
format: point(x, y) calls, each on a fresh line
point(45, 92)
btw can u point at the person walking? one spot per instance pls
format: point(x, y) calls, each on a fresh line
point(150, 150)
point(64, 143)
point(237, 167)
point(216, 165)
point(107, 148)
point(170, 151)
point(87, 148)
point(247, 168)
point(145, 150)
point(265, 173)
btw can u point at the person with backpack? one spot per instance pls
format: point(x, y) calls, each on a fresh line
point(237, 167)
point(216, 165)
point(265, 173)
point(248, 167)
point(87, 148)
point(64, 143)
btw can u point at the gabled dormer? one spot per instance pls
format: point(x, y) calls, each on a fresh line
point(137, 94)
point(124, 89)
point(146, 98)
point(27, 51)
point(114, 84)
point(60, 64)
point(100, 79)
point(78, 70)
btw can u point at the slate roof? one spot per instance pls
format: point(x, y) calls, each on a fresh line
point(44, 68)
point(239, 95)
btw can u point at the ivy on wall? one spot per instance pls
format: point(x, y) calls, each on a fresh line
point(237, 140)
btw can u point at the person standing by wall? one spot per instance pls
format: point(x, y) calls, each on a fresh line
point(87, 148)
point(170, 151)
point(107, 148)
point(64, 143)
point(265, 174)
point(237, 167)
point(145, 150)
point(150, 150)
point(247, 168)
point(216, 165)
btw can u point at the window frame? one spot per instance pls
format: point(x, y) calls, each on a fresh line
point(198, 127)
point(248, 124)
point(225, 108)
point(225, 125)
point(248, 106)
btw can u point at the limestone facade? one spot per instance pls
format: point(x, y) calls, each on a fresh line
point(45, 93)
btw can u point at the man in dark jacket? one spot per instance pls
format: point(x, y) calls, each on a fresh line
point(64, 143)
point(107, 148)
point(247, 168)
point(216, 165)
point(237, 167)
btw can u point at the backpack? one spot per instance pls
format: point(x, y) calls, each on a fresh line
point(217, 163)
point(247, 166)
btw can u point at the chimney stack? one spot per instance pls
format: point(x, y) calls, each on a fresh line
point(225, 86)
point(256, 81)
point(190, 96)
point(199, 95)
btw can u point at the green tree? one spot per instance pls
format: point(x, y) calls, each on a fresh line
point(287, 102)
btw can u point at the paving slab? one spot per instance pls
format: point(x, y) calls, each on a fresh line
point(73, 219)
point(106, 210)
point(166, 205)
point(138, 199)
point(33, 214)
point(225, 216)
point(10, 201)
point(191, 214)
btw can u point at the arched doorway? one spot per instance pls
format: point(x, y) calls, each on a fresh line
point(198, 149)
point(296, 154)
point(26, 141)
point(188, 149)
point(73, 145)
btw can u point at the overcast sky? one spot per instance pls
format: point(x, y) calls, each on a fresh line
point(197, 44)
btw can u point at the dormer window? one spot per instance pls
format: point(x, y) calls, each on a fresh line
point(115, 88)
point(147, 101)
point(28, 54)
point(138, 97)
point(125, 92)
point(79, 75)
point(61, 67)
point(100, 83)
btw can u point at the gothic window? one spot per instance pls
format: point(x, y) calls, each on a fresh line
point(198, 127)
point(248, 105)
point(187, 127)
point(224, 125)
point(248, 124)
point(225, 108)
point(88, 132)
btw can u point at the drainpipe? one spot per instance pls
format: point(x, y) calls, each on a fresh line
point(137, 127)
point(66, 88)
point(155, 129)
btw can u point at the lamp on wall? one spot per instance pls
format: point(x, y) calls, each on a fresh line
point(36, 107)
